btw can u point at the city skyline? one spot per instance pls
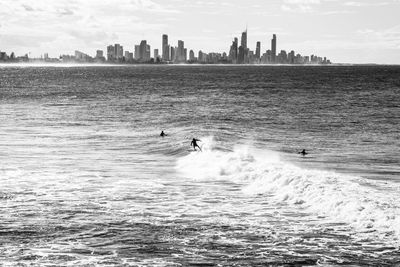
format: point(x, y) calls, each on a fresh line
point(345, 31)
point(238, 54)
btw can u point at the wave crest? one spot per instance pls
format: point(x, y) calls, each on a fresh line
point(366, 205)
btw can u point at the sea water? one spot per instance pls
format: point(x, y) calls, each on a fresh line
point(86, 179)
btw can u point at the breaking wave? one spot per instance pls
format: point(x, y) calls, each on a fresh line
point(367, 206)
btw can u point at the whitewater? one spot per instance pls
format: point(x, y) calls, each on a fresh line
point(330, 196)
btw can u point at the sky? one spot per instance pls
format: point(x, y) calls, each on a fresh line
point(348, 31)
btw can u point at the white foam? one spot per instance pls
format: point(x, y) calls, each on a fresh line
point(340, 198)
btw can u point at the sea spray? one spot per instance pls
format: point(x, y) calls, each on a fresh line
point(332, 196)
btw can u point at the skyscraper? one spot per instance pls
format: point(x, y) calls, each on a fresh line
point(110, 53)
point(269, 56)
point(200, 58)
point(118, 52)
point(243, 41)
point(165, 48)
point(282, 57)
point(173, 53)
point(291, 57)
point(258, 51)
point(147, 55)
point(99, 54)
point(180, 55)
point(82, 57)
point(236, 41)
point(233, 52)
point(191, 55)
point(273, 49)
point(144, 53)
point(137, 52)
point(241, 56)
point(128, 56)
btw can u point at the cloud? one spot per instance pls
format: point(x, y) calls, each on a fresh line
point(61, 26)
point(353, 4)
point(150, 6)
point(27, 41)
point(299, 6)
point(302, 2)
point(364, 40)
point(89, 37)
point(365, 4)
point(208, 30)
point(297, 9)
point(387, 38)
point(65, 12)
point(337, 12)
point(308, 6)
point(52, 26)
point(48, 16)
point(28, 8)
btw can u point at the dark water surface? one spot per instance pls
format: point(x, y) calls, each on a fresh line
point(86, 180)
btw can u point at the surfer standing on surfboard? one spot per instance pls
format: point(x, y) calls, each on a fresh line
point(194, 143)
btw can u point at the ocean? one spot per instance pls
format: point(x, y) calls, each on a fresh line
point(86, 179)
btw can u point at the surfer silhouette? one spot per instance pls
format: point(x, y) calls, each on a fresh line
point(194, 144)
point(303, 152)
point(162, 134)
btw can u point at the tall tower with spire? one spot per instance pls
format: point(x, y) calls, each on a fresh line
point(243, 42)
point(273, 49)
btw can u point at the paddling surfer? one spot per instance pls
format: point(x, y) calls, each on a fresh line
point(303, 152)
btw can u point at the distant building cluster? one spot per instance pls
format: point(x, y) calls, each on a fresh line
point(239, 53)
point(4, 57)
point(243, 55)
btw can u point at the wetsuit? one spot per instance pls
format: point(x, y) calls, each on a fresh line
point(194, 143)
